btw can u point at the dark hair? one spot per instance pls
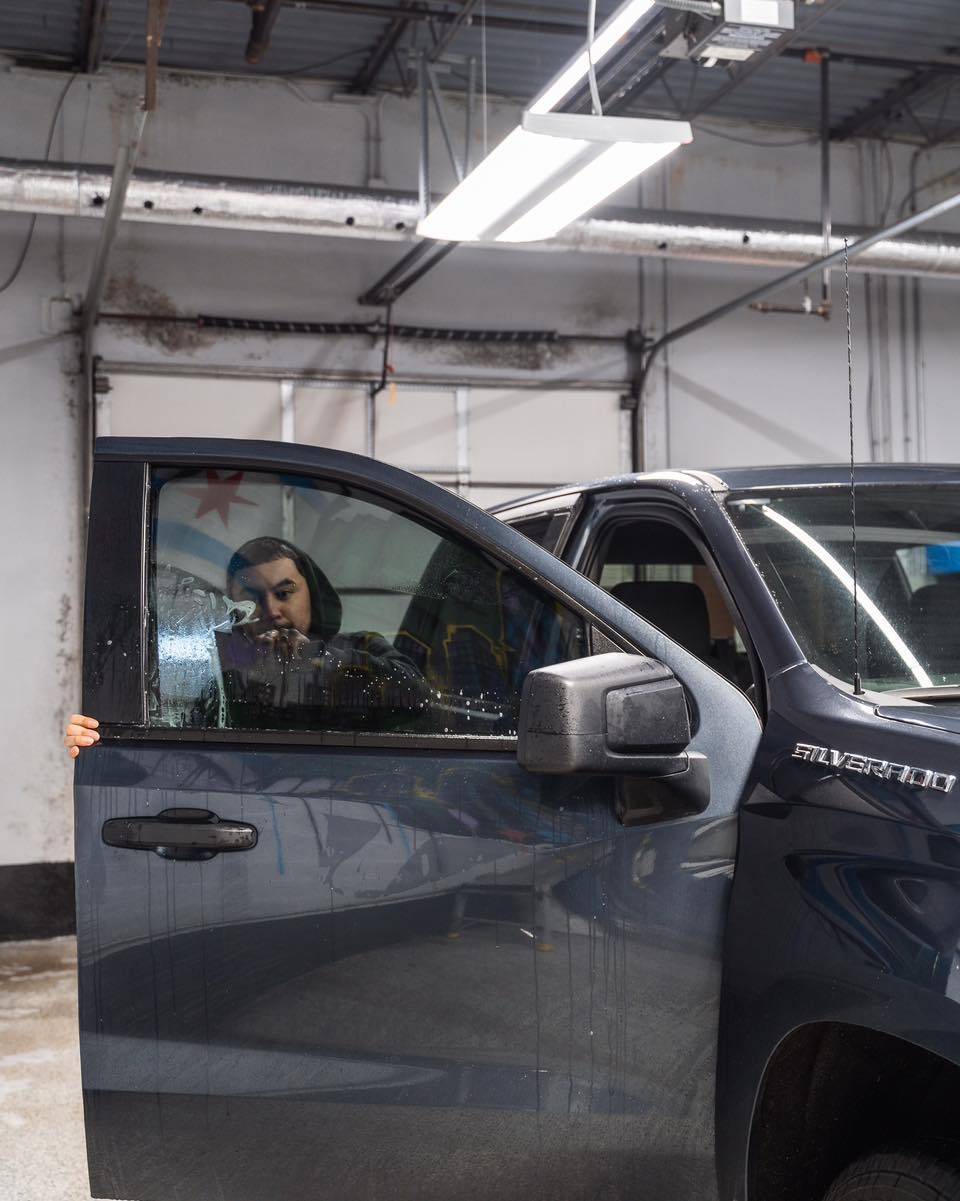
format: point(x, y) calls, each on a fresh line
point(326, 611)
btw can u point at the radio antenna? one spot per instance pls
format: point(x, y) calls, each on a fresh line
point(857, 681)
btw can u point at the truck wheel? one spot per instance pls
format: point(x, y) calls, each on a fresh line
point(897, 1176)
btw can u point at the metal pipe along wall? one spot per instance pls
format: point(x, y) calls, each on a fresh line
point(265, 206)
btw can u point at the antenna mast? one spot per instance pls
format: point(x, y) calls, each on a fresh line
point(857, 681)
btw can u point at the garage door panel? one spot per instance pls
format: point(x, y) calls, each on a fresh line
point(333, 417)
point(416, 429)
point(160, 406)
point(546, 438)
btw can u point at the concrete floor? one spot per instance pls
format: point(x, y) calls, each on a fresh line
point(42, 1151)
point(42, 1154)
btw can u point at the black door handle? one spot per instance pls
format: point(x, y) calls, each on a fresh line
point(180, 834)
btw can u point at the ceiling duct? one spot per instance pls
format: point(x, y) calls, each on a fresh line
point(270, 206)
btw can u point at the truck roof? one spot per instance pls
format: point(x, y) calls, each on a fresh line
point(804, 474)
point(741, 479)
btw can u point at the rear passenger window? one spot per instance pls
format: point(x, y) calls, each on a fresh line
point(283, 603)
point(657, 570)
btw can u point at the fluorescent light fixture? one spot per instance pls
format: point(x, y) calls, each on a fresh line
point(576, 71)
point(556, 166)
point(590, 186)
point(489, 192)
point(547, 172)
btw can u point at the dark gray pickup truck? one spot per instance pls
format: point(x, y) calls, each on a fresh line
point(439, 855)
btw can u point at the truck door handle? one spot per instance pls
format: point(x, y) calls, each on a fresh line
point(180, 834)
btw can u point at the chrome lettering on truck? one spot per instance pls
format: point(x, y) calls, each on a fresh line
point(861, 765)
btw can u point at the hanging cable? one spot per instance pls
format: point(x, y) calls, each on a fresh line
point(592, 75)
point(385, 368)
point(24, 250)
point(483, 69)
point(857, 681)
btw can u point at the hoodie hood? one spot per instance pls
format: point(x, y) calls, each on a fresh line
point(326, 608)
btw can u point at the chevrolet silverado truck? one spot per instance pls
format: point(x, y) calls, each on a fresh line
point(596, 849)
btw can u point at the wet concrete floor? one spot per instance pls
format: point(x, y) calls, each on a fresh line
point(42, 1155)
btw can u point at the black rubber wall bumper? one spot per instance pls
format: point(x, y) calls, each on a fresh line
point(36, 901)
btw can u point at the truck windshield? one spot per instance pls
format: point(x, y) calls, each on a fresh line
point(908, 555)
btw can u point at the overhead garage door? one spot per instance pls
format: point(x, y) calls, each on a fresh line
point(491, 444)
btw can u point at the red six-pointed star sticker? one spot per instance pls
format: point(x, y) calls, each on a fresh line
point(219, 494)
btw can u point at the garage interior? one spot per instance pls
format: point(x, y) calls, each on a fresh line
point(208, 216)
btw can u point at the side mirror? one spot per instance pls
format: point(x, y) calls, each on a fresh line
point(620, 715)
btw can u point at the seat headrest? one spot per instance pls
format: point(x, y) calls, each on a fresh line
point(677, 607)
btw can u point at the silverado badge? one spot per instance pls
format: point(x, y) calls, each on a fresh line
point(861, 765)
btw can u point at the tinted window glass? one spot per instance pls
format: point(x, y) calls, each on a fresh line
point(283, 603)
point(545, 529)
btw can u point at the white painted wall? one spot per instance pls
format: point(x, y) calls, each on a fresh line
point(763, 388)
point(752, 389)
point(39, 583)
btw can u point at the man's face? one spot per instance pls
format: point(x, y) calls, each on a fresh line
point(280, 593)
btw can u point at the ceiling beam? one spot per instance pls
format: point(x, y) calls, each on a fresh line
point(623, 99)
point(463, 17)
point(881, 63)
point(262, 20)
point(867, 119)
point(156, 20)
point(388, 42)
point(93, 22)
point(624, 72)
point(427, 12)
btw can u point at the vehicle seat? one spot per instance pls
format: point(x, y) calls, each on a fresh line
point(677, 607)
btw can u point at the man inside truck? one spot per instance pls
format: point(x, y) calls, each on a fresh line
point(282, 644)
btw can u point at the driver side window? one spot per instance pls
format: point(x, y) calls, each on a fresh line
point(284, 603)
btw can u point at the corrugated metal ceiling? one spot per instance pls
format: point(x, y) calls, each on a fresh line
point(310, 38)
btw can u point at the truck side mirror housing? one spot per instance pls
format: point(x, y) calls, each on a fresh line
point(621, 715)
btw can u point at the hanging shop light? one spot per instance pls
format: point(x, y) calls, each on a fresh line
point(554, 167)
point(547, 172)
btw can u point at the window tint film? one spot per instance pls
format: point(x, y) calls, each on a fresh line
point(282, 603)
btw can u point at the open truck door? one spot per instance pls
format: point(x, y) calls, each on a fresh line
point(336, 940)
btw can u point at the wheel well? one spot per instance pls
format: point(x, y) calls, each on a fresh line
point(833, 1092)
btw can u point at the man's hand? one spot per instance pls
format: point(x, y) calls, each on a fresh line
point(81, 731)
point(285, 643)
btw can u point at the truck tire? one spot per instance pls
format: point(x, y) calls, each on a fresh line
point(897, 1176)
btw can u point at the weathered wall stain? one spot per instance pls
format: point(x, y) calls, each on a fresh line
point(533, 356)
point(127, 294)
point(66, 663)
